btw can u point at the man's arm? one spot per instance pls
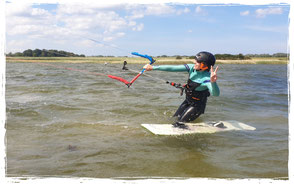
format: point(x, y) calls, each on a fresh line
point(168, 68)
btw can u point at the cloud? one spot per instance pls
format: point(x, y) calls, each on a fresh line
point(139, 27)
point(84, 17)
point(132, 23)
point(66, 22)
point(24, 19)
point(158, 9)
point(71, 22)
point(200, 11)
point(114, 36)
point(244, 13)
point(18, 45)
point(140, 11)
point(262, 13)
point(182, 11)
point(18, 9)
point(135, 15)
point(274, 29)
point(87, 43)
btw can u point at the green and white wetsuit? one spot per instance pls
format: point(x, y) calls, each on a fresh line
point(201, 77)
point(197, 90)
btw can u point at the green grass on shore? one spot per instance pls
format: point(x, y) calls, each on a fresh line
point(138, 60)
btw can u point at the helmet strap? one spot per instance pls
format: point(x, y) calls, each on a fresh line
point(203, 67)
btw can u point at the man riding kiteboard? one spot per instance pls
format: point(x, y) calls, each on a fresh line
point(201, 84)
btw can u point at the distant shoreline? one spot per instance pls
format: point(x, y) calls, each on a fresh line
point(136, 60)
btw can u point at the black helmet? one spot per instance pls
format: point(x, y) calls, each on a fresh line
point(205, 57)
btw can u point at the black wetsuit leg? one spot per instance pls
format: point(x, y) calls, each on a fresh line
point(187, 112)
point(190, 114)
point(181, 109)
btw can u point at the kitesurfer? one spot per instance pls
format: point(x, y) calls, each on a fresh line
point(201, 84)
point(124, 67)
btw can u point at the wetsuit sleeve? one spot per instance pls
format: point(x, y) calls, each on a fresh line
point(171, 68)
point(213, 88)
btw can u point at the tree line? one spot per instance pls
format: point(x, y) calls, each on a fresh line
point(268, 55)
point(44, 53)
point(234, 57)
point(61, 53)
point(217, 56)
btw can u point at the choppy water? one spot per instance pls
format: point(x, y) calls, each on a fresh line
point(68, 123)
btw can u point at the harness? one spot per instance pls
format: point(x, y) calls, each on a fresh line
point(193, 97)
point(196, 98)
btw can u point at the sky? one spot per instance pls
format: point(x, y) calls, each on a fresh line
point(154, 29)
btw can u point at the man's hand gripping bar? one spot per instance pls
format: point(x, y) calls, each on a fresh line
point(144, 56)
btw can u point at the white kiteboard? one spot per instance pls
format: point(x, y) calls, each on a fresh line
point(193, 128)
